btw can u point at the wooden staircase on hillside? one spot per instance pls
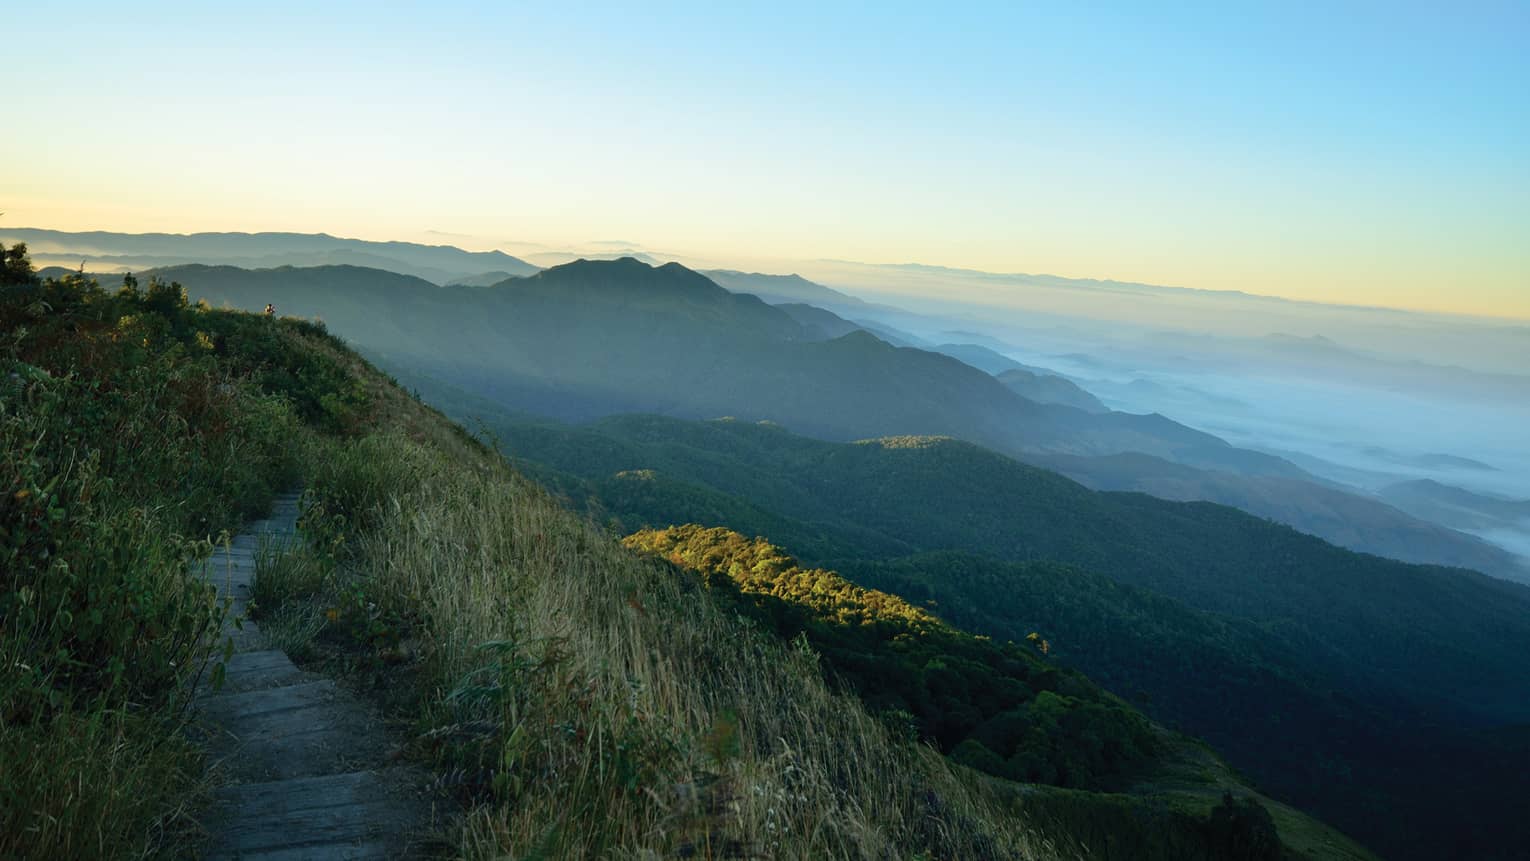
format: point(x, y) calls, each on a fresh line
point(304, 764)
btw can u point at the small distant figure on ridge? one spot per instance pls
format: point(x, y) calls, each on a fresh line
point(270, 310)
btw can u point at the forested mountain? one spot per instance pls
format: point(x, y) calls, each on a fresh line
point(1240, 630)
point(594, 338)
point(892, 497)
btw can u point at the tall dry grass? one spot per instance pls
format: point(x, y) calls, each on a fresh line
point(592, 704)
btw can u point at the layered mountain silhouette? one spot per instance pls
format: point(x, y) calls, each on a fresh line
point(106, 252)
point(594, 338)
point(786, 289)
point(1446, 503)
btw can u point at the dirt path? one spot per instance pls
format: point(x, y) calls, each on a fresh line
point(305, 765)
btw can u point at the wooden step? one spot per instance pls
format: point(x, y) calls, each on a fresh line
point(362, 814)
point(303, 761)
point(300, 730)
point(261, 670)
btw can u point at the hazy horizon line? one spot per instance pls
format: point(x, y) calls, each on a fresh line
point(638, 247)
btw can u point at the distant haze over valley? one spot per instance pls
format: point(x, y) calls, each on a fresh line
point(1361, 400)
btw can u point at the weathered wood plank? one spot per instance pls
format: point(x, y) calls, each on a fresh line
point(260, 670)
point(361, 814)
point(300, 730)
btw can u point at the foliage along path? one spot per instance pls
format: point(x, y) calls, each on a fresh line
point(304, 764)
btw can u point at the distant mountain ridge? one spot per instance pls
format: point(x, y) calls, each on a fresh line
point(135, 251)
point(594, 338)
point(783, 289)
point(1462, 508)
point(1347, 519)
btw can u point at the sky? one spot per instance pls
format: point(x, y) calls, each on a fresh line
point(1369, 153)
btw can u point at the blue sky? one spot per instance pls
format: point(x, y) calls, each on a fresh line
point(1373, 153)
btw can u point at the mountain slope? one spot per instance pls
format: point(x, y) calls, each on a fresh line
point(978, 699)
point(1459, 507)
point(596, 332)
point(1347, 519)
point(896, 496)
point(985, 359)
point(1050, 389)
point(784, 289)
point(1384, 675)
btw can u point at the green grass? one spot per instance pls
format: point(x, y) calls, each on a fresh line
point(287, 595)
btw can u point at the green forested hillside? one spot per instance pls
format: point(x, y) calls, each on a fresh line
point(995, 705)
point(1001, 708)
point(1235, 628)
point(1352, 612)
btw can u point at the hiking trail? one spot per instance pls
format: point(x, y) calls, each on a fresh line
point(306, 768)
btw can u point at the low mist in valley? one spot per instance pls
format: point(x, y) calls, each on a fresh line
point(1364, 398)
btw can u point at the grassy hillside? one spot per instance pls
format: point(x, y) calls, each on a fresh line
point(579, 699)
